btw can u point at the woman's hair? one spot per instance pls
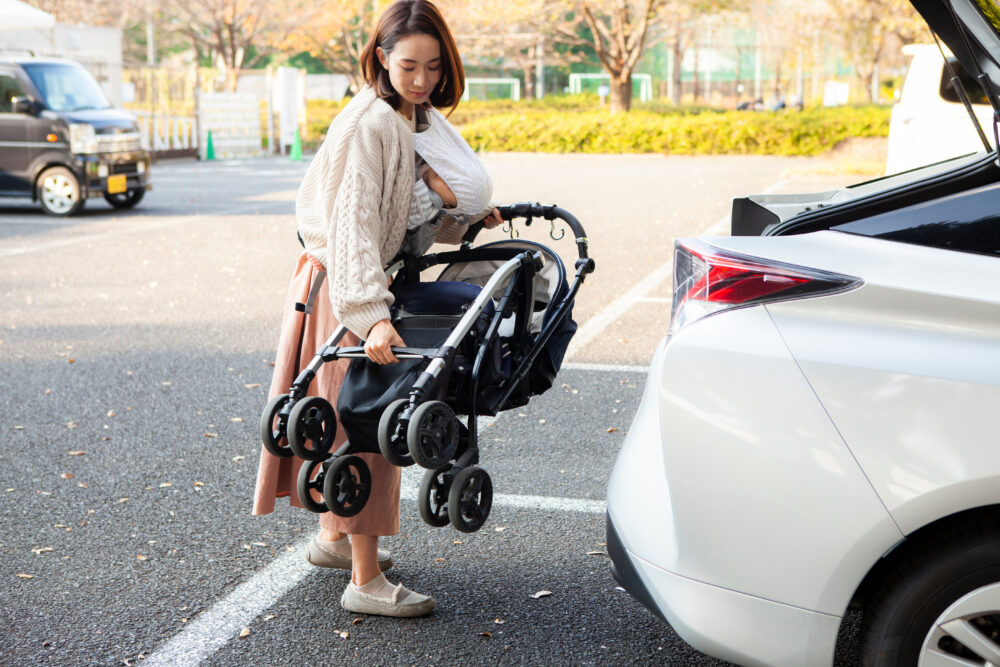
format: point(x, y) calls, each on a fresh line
point(409, 17)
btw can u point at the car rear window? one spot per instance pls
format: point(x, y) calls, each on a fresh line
point(969, 82)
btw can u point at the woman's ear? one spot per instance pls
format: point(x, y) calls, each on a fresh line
point(382, 57)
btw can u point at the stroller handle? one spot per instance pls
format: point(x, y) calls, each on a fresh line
point(530, 210)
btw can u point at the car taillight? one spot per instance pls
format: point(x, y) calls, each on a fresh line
point(709, 280)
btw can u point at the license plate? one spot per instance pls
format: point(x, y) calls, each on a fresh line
point(116, 184)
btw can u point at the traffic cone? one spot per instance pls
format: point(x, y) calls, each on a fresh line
point(209, 148)
point(296, 152)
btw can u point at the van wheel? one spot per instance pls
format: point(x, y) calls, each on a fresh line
point(126, 199)
point(942, 603)
point(59, 192)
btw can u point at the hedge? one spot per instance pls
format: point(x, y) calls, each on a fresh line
point(809, 132)
point(577, 124)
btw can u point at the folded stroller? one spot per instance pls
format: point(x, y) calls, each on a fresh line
point(484, 337)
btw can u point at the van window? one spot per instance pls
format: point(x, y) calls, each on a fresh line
point(969, 82)
point(66, 87)
point(9, 89)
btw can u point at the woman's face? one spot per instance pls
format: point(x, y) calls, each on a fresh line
point(414, 67)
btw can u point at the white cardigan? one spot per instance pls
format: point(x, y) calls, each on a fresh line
point(353, 205)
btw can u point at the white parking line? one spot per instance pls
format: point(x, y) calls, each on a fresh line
point(595, 326)
point(223, 620)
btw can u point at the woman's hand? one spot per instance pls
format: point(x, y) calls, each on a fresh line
point(437, 184)
point(381, 337)
point(493, 219)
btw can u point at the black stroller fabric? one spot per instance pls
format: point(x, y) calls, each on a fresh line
point(424, 314)
point(543, 371)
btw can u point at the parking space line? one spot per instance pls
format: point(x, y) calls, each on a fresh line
point(213, 629)
point(595, 326)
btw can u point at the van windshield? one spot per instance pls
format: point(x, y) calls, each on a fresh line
point(66, 87)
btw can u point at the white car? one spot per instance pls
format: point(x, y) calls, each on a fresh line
point(818, 431)
point(930, 123)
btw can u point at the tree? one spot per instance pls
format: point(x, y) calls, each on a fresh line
point(227, 29)
point(866, 26)
point(523, 33)
point(335, 33)
point(618, 36)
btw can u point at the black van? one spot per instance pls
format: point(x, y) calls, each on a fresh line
point(62, 142)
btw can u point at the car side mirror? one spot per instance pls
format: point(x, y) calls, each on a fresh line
point(23, 105)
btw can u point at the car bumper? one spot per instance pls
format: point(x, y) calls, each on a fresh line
point(96, 170)
point(740, 628)
point(736, 509)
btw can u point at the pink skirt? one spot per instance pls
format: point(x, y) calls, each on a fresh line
point(301, 336)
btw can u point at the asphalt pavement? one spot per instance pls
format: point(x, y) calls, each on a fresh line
point(135, 356)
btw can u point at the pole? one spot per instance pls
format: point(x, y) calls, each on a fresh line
point(271, 148)
point(150, 46)
point(540, 68)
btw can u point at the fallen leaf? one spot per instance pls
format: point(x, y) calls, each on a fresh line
point(26, 576)
point(245, 632)
point(237, 459)
point(199, 483)
point(211, 435)
point(166, 384)
point(611, 430)
point(81, 485)
point(486, 634)
point(141, 557)
point(123, 500)
point(499, 621)
point(19, 428)
point(357, 621)
point(344, 634)
point(41, 550)
point(456, 542)
point(111, 413)
point(76, 452)
point(596, 553)
point(259, 544)
point(500, 529)
point(70, 424)
point(252, 385)
point(439, 560)
point(269, 617)
point(67, 475)
point(540, 594)
point(72, 361)
point(236, 419)
point(166, 484)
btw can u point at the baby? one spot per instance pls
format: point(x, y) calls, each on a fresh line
point(451, 190)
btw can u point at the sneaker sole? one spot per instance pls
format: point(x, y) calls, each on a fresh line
point(360, 605)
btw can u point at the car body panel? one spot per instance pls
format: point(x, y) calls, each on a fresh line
point(779, 437)
point(923, 331)
point(742, 628)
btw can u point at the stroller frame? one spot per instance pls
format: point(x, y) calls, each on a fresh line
point(454, 488)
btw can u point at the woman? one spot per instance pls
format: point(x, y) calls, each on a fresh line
point(353, 209)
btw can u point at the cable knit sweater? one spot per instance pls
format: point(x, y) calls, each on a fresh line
point(353, 205)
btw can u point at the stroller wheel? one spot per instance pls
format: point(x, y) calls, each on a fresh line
point(432, 500)
point(392, 439)
point(312, 428)
point(307, 484)
point(347, 485)
point(433, 434)
point(273, 426)
point(470, 499)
